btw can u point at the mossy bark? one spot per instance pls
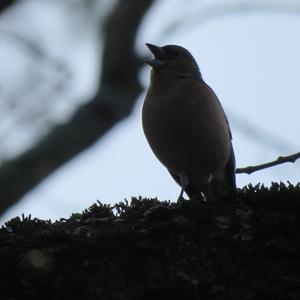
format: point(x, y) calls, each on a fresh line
point(242, 247)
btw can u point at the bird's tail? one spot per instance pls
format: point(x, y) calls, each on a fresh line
point(224, 183)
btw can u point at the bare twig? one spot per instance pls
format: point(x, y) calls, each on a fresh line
point(118, 91)
point(280, 160)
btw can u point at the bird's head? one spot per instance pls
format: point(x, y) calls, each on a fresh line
point(172, 58)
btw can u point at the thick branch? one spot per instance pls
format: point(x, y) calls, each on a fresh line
point(119, 88)
point(245, 247)
point(4, 4)
point(280, 160)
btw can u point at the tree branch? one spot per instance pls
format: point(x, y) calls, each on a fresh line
point(118, 90)
point(280, 160)
point(4, 4)
point(242, 247)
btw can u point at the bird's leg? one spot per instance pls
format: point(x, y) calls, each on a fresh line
point(207, 190)
point(184, 182)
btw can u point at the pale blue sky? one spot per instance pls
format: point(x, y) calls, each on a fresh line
point(252, 63)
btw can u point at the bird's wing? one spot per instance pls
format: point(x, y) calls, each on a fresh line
point(230, 172)
point(230, 134)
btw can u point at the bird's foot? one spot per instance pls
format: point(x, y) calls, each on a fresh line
point(180, 197)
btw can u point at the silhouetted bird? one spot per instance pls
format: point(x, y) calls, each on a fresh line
point(186, 126)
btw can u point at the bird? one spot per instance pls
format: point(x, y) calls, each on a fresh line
point(186, 126)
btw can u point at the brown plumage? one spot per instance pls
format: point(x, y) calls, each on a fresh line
point(186, 126)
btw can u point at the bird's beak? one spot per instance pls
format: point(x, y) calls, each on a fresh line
point(159, 56)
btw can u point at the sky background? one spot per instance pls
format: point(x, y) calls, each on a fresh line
point(251, 60)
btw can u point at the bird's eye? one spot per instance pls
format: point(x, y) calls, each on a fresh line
point(178, 53)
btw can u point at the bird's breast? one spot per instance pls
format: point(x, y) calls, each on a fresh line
point(186, 128)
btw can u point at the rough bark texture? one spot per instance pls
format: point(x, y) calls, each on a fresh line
point(118, 90)
point(242, 248)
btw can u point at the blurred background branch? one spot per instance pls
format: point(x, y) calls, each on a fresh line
point(197, 17)
point(4, 4)
point(265, 138)
point(31, 48)
point(118, 90)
